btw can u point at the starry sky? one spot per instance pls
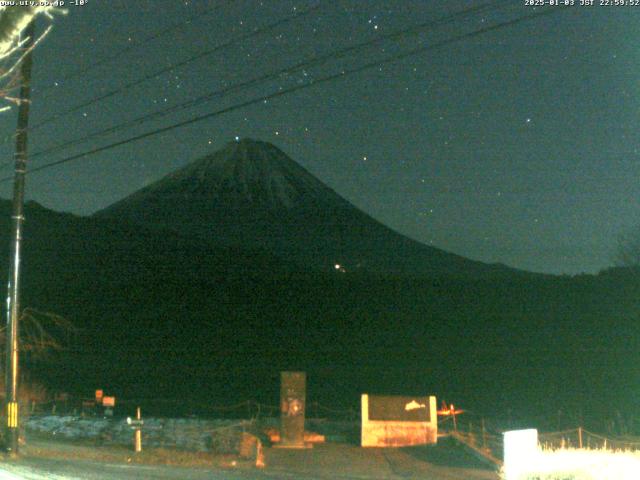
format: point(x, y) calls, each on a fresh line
point(519, 145)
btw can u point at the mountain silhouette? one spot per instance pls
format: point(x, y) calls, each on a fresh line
point(252, 195)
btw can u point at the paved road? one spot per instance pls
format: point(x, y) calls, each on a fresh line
point(324, 462)
point(41, 469)
point(49, 469)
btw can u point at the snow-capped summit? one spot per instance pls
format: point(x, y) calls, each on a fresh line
point(244, 174)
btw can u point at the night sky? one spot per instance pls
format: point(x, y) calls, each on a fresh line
point(519, 145)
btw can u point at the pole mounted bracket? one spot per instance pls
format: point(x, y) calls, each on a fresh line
point(12, 414)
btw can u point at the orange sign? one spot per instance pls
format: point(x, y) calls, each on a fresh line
point(99, 395)
point(108, 401)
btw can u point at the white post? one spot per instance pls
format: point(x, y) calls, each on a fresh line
point(137, 437)
point(364, 429)
point(433, 416)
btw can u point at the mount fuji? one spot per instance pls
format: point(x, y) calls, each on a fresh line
point(251, 195)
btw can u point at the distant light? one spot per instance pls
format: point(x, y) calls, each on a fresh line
point(337, 266)
point(237, 139)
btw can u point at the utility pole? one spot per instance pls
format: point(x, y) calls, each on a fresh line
point(13, 297)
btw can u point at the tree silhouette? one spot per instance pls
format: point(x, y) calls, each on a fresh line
point(13, 21)
point(42, 333)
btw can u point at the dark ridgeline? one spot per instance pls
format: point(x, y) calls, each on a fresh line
point(206, 284)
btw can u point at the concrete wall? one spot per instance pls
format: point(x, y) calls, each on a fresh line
point(398, 421)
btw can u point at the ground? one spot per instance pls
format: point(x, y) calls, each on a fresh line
point(45, 458)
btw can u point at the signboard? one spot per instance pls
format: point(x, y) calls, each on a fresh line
point(62, 397)
point(108, 401)
point(398, 421)
point(400, 409)
point(99, 395)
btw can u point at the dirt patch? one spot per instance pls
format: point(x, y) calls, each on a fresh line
point(43, 447)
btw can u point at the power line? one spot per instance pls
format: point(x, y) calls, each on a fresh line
point(174, 66)
point(280, 93)
point(119, 54)
point(312, 62)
